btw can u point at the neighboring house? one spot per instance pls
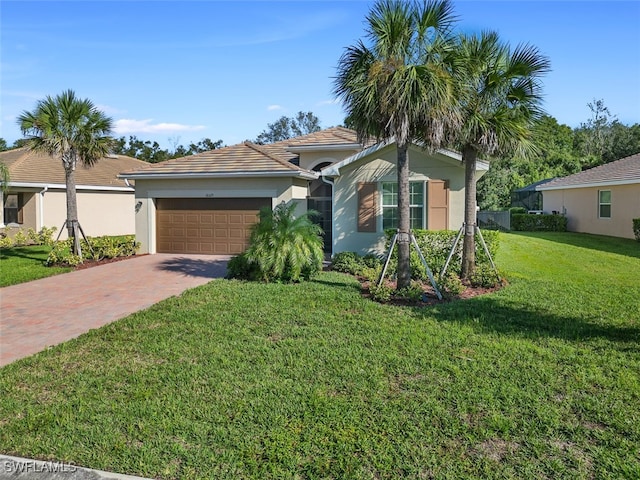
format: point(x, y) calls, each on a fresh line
point(207, 203)
point(36, 194)
point(528, 197)
point(602, 200)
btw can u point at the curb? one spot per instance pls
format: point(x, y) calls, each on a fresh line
point(16, 467)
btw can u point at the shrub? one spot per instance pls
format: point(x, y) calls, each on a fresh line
point(381, 293)
point(20, 238)
point(538, 223)
point(6, 241)
point(347, 262)
point(450, 285)
point(109, 247)
point(351, 262)
point(285, 247)
point(413, 292)
point(30, 237)
point(436, 245)
point(517, 210)
point(484, 276)
point(371, 274)
point(103, 247)
point(241, 268)
point(636, 228)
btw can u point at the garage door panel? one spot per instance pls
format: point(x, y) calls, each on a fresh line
point(237, 233)
point(213, 226)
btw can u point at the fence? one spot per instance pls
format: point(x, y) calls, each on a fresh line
point(494, 220)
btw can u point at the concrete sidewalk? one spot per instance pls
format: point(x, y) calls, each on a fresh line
point(46, 312)
point(15, 467)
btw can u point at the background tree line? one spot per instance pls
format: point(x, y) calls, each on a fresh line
point(561, 151)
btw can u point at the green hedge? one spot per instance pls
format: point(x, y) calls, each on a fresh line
point(636, 228)
point(103, 247)
point(537, 223)
point(436, 245)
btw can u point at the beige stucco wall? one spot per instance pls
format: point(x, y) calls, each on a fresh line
point(99, 212)
point(279, 189)
point(381, 168)
point(580, 205)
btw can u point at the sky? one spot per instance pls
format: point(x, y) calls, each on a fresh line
point(178, 71)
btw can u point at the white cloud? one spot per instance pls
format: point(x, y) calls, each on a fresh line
point(128, 125)
point(275, 107)
point(109, 110)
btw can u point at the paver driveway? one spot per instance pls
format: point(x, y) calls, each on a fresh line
point(46, 312)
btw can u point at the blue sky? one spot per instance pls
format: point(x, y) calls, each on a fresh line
point(177, 72)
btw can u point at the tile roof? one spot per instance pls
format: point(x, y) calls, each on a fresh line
point(619, 172)
point(26, 166)
point(247, 157)
point(243, 158)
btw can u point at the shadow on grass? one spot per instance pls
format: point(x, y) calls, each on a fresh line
point(195, 267)
point(494, 315)
point(603, 243)
point(25, 252)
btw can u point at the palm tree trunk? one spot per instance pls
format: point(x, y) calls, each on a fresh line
point(404, 258)
point(72, 210)
point(469, 157)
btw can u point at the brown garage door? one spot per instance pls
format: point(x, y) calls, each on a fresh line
point(206, 225)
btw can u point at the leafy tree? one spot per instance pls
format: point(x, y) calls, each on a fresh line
point(397, 87)
point(593, 137)
point(285, 247)
point(142, 150)
point(289, 127)
point(204, 145)
point(625, 141)
point(3, 145)
point(151, 152)
point(5, 177)
point(500, 97)
point(72, 130)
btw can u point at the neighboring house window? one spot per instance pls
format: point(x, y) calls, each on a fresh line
point(390, 205)
point(604, 203)
point(13, 208)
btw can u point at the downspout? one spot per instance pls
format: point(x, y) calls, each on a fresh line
point(126, 181)
point(333, 195)
point(41, 222)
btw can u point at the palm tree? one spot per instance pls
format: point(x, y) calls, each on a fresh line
point(398, 87)
point(500, 98)
point(72, 130)
point(284, 246)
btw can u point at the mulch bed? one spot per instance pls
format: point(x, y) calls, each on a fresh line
point(430, 298)
point(87, 263)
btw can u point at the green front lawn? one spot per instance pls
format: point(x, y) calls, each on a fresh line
point(23, 264)
point(245, 380)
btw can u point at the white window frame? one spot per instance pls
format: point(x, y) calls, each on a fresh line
point(422, 206)
point(604, 204)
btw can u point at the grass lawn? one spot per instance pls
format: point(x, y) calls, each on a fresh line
point(23, 264)
point(241, 380)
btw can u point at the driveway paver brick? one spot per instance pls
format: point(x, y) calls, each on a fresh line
point(46, 312)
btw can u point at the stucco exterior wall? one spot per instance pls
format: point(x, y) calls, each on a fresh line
point(99, 213)
point(382, 168)
point(581, 207)
point(280, 190)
